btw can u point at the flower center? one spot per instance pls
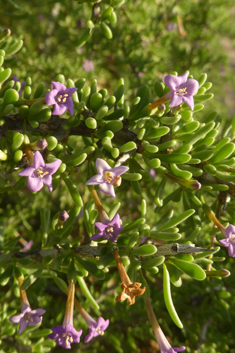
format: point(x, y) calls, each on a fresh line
point(62, 98)
point(109, 232)
point(232, 239)
point(28, 318)
point(100, 332)
point(108, 177)
point(181, 91)
point(68, 338)
point(39, 172)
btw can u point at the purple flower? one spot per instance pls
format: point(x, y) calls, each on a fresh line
point(64, 336)
point(109, 230)
point(40, 173)
point(182, 89)
point(107, 177)
point(88, 65)
point(28, 246)
point(60, 96)
point(27, 317)
point(96, 328)
point(229, 241)
point(63, 216)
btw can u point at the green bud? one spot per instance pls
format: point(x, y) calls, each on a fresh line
point(181, 173)
point(203, 97)
point(119, 93)
point(154, 134)
point(211, 117)
point(8, 108)
point(105, 15)
point(151, 148)
point(84, 38)
point(203, 155)
point(113, 17)
point(1, 60)
point(77, 160)
point(117, 114)
point(39, 91)
point(102, 112)
point(91, 123)
point(132, 226)
point(28, 81)
point(156, 261)
point(6, 275)
point(170, 120)
point(106, 30)
point(52, 143)
point(18, 140)
point(202, 79)
point(27, 92)
point(14, 48)
point(90, 24)
point(85, 94)
point(159, 88)
point(190, 127)
point(107, 143)
point(24, 110)
point(72, 190)
point(44, 115)
point(207, 85)
point(223, 153)
point(93, 215)
point(144, 250)
point(11, 96)
point(129, 146)
point(132, 176)
point(80, 83)
point(110, 102)
point(96, 101)
point(35, 108)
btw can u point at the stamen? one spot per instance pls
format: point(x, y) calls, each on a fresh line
point(40, 173)
point(64, 100)
point(181, 91)
point(108, 176)
point(109, 231)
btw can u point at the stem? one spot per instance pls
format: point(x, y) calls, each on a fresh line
point(121, 269)
point(103, 215)
point(161, 100)
point(68, 317)
point(23, 295)
point(29, 154)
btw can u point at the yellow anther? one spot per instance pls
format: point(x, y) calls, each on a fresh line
point(108, 176)
point(117, 181)
point(181, 91)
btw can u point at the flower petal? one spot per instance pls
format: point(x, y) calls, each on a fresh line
point(231, 250)
point(229, 231)
point(175, 100)
point(97, 236)
point(38, 312)
point(50, 97)
point(192, 87)
point(224, 242)
point(35, 184)
point(59, 86)
point(38, 160)
point(69, 105)
point(102, 166)
point(107, 189)
point(70, 90)
point(47, 180)
point(59, 109)
point(174, 81)
point(36, 320)
point(115, 221)
point(53, 166)
point(95, 180)
point(16, 318)
point(189, 101)
point(179, 349)
point(101, 226)
point(58, 329)
point(23, 325)
point(27, 171)
point(120, 170)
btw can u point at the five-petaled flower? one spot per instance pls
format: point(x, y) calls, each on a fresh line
point(109, 230)
point(182, 89)
point(108, 177)
point(229, 241)
point(40, 173)
point(65, 335)
point(61, 98)
point(96, 328)
point(27, 317)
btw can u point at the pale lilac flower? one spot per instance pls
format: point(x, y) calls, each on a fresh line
point(64, 336)
point(229, 241)
point(61, 98)
point(27, 317)
point(88, 65)
point(40, 173)
point(28, 246)
point(109, 230)
point(63, 216)
point(182, 89)
point(96, 328)
point(108, 177)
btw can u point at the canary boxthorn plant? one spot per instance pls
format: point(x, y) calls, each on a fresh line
point(117, 181)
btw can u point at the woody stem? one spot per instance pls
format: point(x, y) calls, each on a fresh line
point(121, 269)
